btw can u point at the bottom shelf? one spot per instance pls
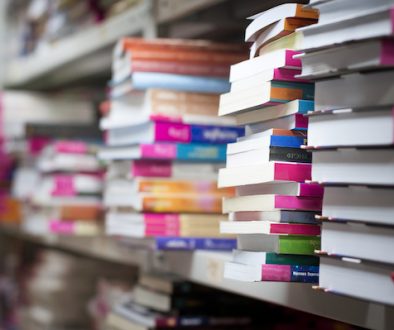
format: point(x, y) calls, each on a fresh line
point(207, 267)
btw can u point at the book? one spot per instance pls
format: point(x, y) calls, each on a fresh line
point(280, 216)
point(268, 228)
point(278, 59)
point(264, 173)
point(71, 185)
point(175, 203)
point(262, 20)
point(161, 169)
point(284, 244)
point(348, 166)
point(270, 203)
point(350, 126)
point(274, 273)
point(192, 243)
point(359, 203)
point(348, 276)
point(285, 188)
point(166, 151)
point(362, 56)
point(267, 154)
point(355, 91)
point(265, 94)
point(82, 212)
point(358, 240)
point(145, 80)
point(68, 162)
point(270, 258)
point(79, 228)
point(374, 24)
point(166, 186)
point(295, 121)
point(274, 112)
point(277, 30)
point(62, 131)
point(159, 131)
point(292, 41)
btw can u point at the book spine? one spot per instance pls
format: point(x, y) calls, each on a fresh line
point(282, 74)
point(166, 95)
point(177, 67)
point(290, 273)
point(74, 147)
point(178, 187)
point(197, 152)
point(63, 186)
point(292, 172)
point(172, 132)
point(298, 203)
point(301, 122)
point(311, 190)
point(295, 229)
point(285, 259)
point(145, 80)
point(190, 244)
point(305, 245)
point(298, 217)
point(284, 95)
point(80, 212)
point(178, 109)
point(387, 51)
point(194, 204)
point(293, 155)
point(287, 141)
point(305, 90)
point(161, 232)
point(292, 62)
point(148, 168)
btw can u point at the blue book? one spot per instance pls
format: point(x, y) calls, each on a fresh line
point(305, 274)
point(287, 141)
point(145, 80)
point(201, 152)
point(215, 134)
point(190, 243)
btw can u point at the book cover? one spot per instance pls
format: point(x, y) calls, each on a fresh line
point(306, 245)
point(290, 273)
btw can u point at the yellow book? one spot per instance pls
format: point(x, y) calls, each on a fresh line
point(291, 41)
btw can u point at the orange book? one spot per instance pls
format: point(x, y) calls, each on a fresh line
point(10, 211)
point(80, 212)
point(184, 97)
point(283, 93)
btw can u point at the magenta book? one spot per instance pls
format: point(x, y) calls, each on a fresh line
point(295, 229)
point(298, 203)
point(292, 172)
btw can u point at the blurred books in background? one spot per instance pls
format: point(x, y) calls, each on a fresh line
point(165, 142)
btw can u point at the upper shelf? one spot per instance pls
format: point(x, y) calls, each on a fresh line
point(89, 52)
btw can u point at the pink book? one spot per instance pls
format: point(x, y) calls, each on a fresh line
point(298, 203)
point(292, 172)
point(149, 168)
point(294, 229)
point(73, 147)
point(64, 186)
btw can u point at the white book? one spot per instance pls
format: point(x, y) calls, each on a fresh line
point(355, 91)
point(268, 17)
point(358, 279)
point(69, 162)
point(284, 188)
point(241, 272)
point(348, 127)
point(354, 166)
point(358, 240)
point(274, 60)
point(336, 11)
point(377, 23)
point(287, 122)
point(349, 58)
point(358, 203)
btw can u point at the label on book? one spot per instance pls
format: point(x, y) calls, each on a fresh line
point(295, 155)
point(299, 244)
point(182, 243)
point(289, 273)
point(64, 186)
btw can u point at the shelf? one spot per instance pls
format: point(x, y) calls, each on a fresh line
point(25, 71)
point(207, 268)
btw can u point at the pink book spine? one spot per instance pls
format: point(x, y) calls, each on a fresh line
point(36, 144)
point(283, 74)
point(311, 190)
point(147, 168)
point(281, 273)
point(61, 227)
point(298, 203)
point(387, 51)
point(172, 132)
point(301, 121)
point(162, 117)
point(293, 62)
point(292, 172)
point(155, 232)
point(73, 147)
point(64, 186)
point(159, 151)
point(295, 229)
point(169, 220)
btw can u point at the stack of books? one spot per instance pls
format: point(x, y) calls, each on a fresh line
point(351, 55)
point(273, 212)
point(67, 195)
point(162, 301)
point(165, 142)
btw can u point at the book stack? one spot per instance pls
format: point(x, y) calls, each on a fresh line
point(162, 301)
point(52, 170)
point(351, 53)
point(273, 212)
point(165, 142)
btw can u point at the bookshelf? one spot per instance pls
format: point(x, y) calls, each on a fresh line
point(92, 55)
